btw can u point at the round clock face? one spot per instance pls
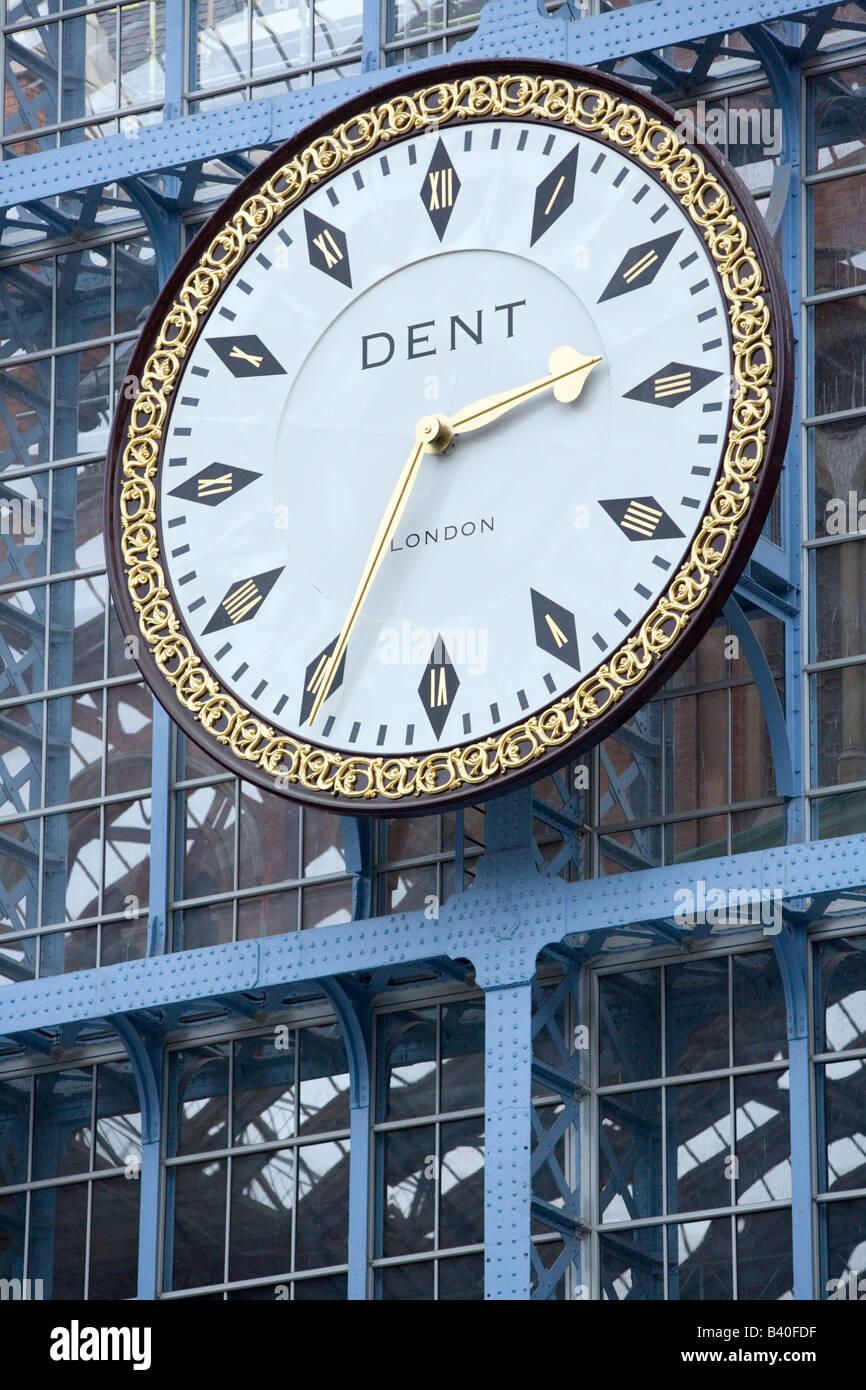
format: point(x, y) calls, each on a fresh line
point(454, 429)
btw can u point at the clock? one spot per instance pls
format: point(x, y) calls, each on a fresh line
point(453, 429)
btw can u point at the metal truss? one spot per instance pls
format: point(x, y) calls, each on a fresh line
point(520, 909)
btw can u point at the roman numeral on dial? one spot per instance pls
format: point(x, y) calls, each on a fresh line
point(438, 687)
point(246, 355)
point(641, 518)
point(315, 674)
point(439, 189)
point(328, 248)
point(554, 195)
point(215, 484)
point(639, 266)
point(243, 600)
point(671, 384)
point(555, 629)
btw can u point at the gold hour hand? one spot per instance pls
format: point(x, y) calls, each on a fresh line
point(567, 374)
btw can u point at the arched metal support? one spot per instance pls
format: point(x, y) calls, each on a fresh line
point(352, 1007)
point(769, 697)
point(145, 1058)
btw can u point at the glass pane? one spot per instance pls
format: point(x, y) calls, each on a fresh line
point(840, 1012)
point(699, 1146)
point(410, 1190)
point(461, 1183)
point(263, 1102)
point(76, 519)
point(31, 87)
point(632, 1265)
point(839, 234)
point(210, 840)
point(840, 714)
point(142, 49)
point(701, 1261)
point(331, 1289)
point(222, 56)
point(764, 1256)
point(462, 1080)
point(844, 1127)
point(407, 1044)
point(13, 1218)
point(263, 1200)
point(753, 775)
point(58, 1236)
point(839, 132)
point(323, 1206)
point(762, 1144)
point(760, 1032)
point(271, 915)
point(630, 1026)
point(839, 600)
point(25, 310)
point(845, 1226)
point(114, 1239)
point(118, 1119)
point(461, 1279)
point(839, 815)
point(839, 477)
point(696, 1012)
point(327, 905)
point(198, 1244)
point(840, 355)
point(698, 726)
point(407, 1283)
point(630, 784)
point(282, 36)
point(83, 296)
point(200, 1085)
point(323, 844)
point(630, 1158)
point(15, 1095)
point(23, 527)
point(25, 394)
point(62, 1123)
point(324, 1071)
point(269, 838)
point(409, 890)
point(129, 710)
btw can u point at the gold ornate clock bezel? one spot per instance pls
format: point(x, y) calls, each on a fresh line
point(720, 207)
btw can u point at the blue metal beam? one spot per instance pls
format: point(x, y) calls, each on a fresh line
point(508, 915)
point(502, 33)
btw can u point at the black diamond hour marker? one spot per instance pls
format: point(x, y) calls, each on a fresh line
point(671, 384)
point(246, 355)
point(639, 266)
point(315, 674)
point(439, 686)
point(243, 600)
point(554, 195)
point(555, 631)
point(440, 188)
point(641, 518)
point(328, 248)
point(214, 484)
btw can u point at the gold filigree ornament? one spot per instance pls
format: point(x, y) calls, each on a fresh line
point(393, 783)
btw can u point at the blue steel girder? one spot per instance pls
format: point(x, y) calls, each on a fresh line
point(506, 28)
point(501, 924)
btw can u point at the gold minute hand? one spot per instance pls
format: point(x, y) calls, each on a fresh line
point(568, 371)
point(426, 432)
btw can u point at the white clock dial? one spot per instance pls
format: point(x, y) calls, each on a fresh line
point(421, 279)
